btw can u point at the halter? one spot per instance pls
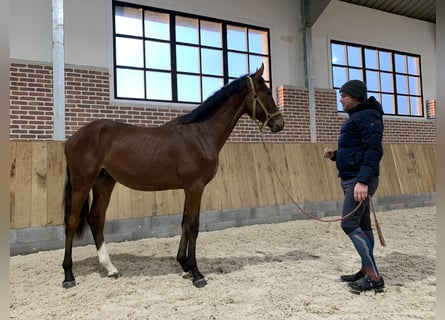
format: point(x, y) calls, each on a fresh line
point(256, 99)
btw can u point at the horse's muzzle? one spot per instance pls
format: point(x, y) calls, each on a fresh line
point(277, 125)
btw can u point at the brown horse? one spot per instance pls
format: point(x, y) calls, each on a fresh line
point(181, 154)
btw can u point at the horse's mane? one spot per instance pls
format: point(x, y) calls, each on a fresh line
point(212, 103)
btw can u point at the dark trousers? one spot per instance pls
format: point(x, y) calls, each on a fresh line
point(361, 218)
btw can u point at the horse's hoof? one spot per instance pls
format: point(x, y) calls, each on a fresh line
point(114, 275)
point(69, 284)
point(199, 283)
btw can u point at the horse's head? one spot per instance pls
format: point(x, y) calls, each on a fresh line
point(260, 104)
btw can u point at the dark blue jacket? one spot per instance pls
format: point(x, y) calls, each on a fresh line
point(360, 143)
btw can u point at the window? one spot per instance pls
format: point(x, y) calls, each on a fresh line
point(163, 55)
point(394, 78)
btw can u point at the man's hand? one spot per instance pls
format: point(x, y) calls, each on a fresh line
point(360, 191)
point(328, 153)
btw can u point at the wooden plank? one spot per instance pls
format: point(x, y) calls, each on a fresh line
point(426, 165)
point(295, 167)
point(169, 202)
point(262, 184)
point(389, 182)
point(268, 173)
point(330, 173)
point(124, 203)
point(149, 204)
point(212, 197)
point(244, 177)
point(279, 172)
point(12, 183)
point(38, 184)
point(230, 190)
point(138, 203)
point(23, 194)
point(113, 206)
point(55, 182)
point(405, 167)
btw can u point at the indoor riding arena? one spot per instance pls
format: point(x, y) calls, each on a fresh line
point(249, 93)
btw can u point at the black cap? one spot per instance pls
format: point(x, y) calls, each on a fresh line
point(356, 89)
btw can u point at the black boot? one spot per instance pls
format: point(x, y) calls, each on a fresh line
point(366, 284)
point(352, 277)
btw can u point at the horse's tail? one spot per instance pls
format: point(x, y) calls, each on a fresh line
point(67, 204)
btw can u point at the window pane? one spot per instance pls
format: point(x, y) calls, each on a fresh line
point(372, 80)
point(371, 59)
point(130, 83)
point(385, 61)
point(414, 85)
point(400, 63)
point(402, 84)
point(211, 34)
point(355, 74)
point(413, 66)
point(212, 62)
point(187, 59)
point(386, 82)
point(258, 41)
point(159, 85)
point(186, 30)
point(354, 57)
point(237, 64)
point(129, 52)
point(236, 38)
point(416, 106)
point(339, 105)
point(338, 54)
point(210, 86)
point(157, 55)
point(340, 76)
point(157, 25)
point(189, 88)
point(402, 105)
point(128, 21)
point(388, 104)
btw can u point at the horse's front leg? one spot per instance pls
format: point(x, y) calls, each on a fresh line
point(190, 229)
point(198, 278)
point(182, 251)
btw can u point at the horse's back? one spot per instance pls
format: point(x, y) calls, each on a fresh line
point(92, 140)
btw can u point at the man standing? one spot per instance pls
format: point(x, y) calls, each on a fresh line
point(358, 160)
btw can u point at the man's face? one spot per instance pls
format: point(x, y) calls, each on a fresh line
point(348, 102)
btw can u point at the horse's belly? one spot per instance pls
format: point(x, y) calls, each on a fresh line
point(155, 180)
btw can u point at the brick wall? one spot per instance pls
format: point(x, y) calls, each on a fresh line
point(88, 98)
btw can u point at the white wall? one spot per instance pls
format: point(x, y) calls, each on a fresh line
point(88, 30)
point(357, 24)
point(31, 30)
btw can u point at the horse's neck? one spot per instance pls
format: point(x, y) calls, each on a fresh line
point(222, 123)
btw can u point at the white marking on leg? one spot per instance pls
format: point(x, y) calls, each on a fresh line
point(104, 260)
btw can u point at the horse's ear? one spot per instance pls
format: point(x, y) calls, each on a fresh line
point(259, 72)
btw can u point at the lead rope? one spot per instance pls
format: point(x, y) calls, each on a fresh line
point(379, 231)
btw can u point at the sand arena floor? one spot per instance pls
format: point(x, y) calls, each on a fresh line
point(278, 271)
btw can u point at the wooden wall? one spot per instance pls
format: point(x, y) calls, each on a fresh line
point(245, 178)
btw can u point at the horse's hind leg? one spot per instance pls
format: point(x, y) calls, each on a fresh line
point(102, 190)
point(74, 221)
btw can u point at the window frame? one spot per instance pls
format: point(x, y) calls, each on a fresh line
point(174, 73)
point(364, 69)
